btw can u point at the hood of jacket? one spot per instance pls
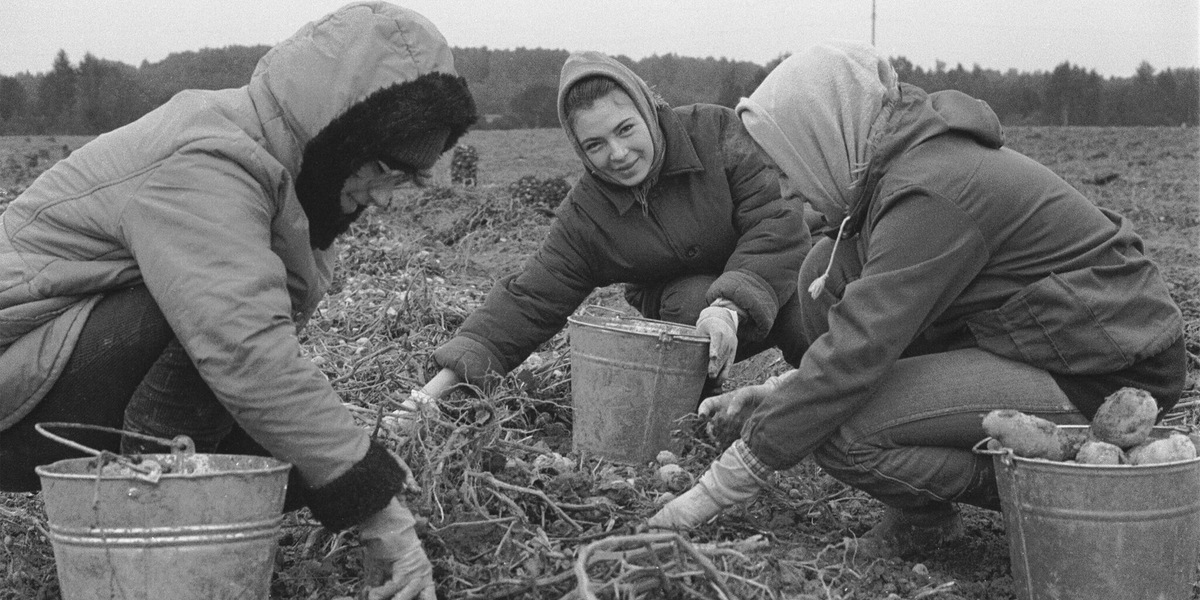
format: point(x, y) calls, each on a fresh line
point(344, 90)
point(586, 64)
point(834, 117)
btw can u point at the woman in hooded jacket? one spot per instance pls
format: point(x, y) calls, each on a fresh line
point(156, 279)
point(964, 278)
point(674, 202)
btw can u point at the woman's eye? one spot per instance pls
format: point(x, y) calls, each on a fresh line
point(625, 129)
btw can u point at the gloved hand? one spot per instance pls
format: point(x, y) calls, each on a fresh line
point(726, 483)
point(720, 324)
point(403, 421)
point(396, 565)
point(727, 412)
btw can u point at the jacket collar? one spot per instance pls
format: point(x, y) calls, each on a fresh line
point(917, 116)
point(680, 157)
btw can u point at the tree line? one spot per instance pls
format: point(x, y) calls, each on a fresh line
point(518, 88)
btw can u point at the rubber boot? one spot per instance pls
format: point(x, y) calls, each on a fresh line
point(908, 531)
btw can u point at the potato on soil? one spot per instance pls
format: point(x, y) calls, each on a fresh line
point(1096, 452)
point(1029, 436)
point(1126, 417)
point(1172, 448)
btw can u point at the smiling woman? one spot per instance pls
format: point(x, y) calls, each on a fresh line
point(611, 131)
point(676, 204)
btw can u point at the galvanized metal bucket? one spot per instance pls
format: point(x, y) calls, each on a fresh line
point(631, 379)
point(182, 525)
point(1100, 532)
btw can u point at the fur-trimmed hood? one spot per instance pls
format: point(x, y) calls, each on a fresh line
point(303, 83)
point(346, 87)
point(368, 131)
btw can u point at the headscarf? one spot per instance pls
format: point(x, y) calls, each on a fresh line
point(586, 64)
point(817, 114)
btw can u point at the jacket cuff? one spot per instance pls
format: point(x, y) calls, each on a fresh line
point(757, 467)
point(473, 361)
point(358, 493)
point(751, 294)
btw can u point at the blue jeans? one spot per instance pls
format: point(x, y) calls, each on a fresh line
point(910, 447)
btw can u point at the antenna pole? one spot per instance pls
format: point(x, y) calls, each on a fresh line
point(872, 22)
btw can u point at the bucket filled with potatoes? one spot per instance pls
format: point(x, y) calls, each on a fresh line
point(1119, 434)
point(1104, 511)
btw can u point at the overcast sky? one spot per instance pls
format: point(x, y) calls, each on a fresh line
point(1109, 36)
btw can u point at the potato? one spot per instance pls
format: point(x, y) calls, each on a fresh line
point(675, 478)
point(1126, 418)
point(1096, 452)
point(1029, 436)
point(1172, 448)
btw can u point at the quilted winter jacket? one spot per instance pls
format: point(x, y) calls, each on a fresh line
point(197, 201)
point(966, 243)
point(714, 209)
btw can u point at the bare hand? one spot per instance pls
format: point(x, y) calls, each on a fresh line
point(728, 412)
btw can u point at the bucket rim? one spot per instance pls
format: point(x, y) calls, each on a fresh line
point(688, 333)
point(1008, 457)
point(272, 465)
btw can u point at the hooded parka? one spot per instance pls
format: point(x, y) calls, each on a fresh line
point(708, 206)
point(963, 242)
point(197, 201)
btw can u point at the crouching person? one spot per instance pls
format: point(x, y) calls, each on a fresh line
point(966, 278)
point(156, 279)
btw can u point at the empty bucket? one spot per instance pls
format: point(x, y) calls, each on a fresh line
point(631, 379)
point(205, 528)
point(1100, 532)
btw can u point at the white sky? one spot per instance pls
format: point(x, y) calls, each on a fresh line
point(1110, 36)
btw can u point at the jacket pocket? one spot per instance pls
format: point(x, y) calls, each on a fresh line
point(1089, 321)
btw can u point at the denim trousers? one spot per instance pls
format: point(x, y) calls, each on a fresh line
point(127, 371)
point(911, 446)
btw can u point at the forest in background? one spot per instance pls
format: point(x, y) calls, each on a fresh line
point(516, 89)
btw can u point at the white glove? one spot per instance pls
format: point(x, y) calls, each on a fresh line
point(720, 324)
point(730, 410)
point(726, 483)
point(403, 422)
point(396, 565)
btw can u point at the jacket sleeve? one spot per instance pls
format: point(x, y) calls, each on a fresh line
point(522, 311)
point(923, 253)
point(200, 231)
point(760, 275)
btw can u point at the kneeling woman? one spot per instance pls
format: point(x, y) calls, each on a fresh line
point(677, 204)
point(966, 278)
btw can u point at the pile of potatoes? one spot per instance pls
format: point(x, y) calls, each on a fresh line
point(1119, 434)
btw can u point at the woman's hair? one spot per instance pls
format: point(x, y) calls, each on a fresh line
point(585, 92)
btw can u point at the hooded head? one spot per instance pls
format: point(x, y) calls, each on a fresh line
point(618, 113)
point(816, 115)
point(369, 83)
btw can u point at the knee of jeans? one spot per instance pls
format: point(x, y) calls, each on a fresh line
point(839, 456)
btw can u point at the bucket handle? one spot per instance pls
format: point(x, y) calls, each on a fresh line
point(615, 311)
point(147, 470)
point(1005, 454)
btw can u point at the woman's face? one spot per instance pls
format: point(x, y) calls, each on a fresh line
point(832, 211)
point(615, 138)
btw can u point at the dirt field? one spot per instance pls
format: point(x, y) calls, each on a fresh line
point(508, 511)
